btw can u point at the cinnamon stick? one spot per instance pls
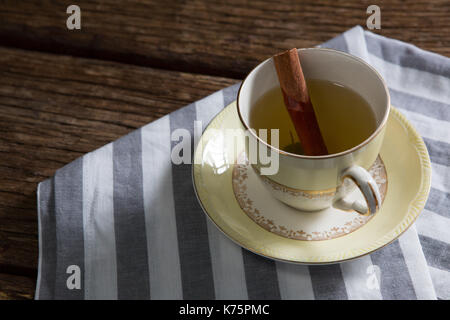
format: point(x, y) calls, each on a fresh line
point(298, 103)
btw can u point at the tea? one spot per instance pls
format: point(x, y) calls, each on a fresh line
point(345, 118)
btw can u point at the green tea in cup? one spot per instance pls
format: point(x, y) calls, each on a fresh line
point(344, 117)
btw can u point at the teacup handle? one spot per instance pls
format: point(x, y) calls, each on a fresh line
point(368, 187)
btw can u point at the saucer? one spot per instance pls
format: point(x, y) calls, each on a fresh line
point(235, 199)
point(274, 216)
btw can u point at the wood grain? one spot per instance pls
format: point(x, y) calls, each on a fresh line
point(16, 287)
point(54, 109)
point(225, 38)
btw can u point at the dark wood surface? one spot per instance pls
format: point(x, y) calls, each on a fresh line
point(224, 38)
point(64, 93)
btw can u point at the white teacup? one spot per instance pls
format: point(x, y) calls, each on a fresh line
point(312, 183)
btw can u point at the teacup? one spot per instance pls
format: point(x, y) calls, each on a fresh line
point(311, 183)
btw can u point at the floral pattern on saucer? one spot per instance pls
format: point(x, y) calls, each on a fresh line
point(282, 220)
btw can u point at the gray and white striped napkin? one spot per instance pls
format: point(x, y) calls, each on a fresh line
point(126, 221)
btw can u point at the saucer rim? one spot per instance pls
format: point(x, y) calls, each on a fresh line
point(416, 205)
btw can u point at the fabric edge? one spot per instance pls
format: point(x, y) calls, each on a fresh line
point(38, 280)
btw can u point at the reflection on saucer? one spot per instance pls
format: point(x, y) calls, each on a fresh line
point(215, 157)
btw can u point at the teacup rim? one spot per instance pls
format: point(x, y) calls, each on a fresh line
point(333, 155)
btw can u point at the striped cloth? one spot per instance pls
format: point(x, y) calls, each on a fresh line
point(129, 219)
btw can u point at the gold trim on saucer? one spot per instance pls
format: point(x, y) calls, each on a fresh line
point(307, 193)
point(250, 206)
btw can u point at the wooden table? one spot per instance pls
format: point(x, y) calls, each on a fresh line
point(64, 93)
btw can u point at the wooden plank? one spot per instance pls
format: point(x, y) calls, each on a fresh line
point(225, 38)
point(54, 109)
point(14, 287)
point(18, 254)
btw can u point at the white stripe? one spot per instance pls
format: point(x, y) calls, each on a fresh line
point(433, 225)
point(98, 219)
point(160, 222)
point(226, 257)
point(228, 267)
point(429, 127)
point(441, 280)
point(440, 176)
point(417, 265)
point(207, 108)
point(356, 43)
point(294, 282)
point(357, 275)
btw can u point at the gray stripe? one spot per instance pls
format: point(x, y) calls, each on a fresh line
point(226, 256)
point(327, 282)
point(337, 43)
point(195, 258)
point(439, 151)
point(407, 55)
point(69, 227)
point(230, 93)
point(261, 277)
point(438, 202)
point(207, 108)
point(395, 281)
point(47, 238)
point(436, 252)
point(429, 108)
point(129, 219)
